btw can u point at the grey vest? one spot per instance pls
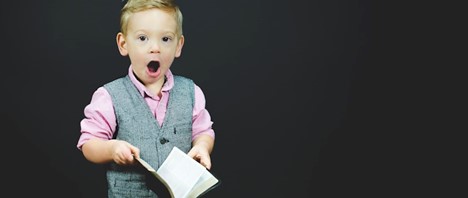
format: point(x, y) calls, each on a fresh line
point(138, 126)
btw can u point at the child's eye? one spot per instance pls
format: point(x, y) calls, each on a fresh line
point(143, 38)
point(166, 39)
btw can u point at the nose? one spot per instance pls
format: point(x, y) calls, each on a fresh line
point(154, 47)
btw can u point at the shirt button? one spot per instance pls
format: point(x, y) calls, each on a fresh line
point(163, 140)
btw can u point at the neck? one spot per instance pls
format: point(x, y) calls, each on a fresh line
point(155, 88)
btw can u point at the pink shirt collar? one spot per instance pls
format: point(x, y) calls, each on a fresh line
point(142, 89)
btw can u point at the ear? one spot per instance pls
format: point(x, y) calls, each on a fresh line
point(122, 44)
point(180, 44)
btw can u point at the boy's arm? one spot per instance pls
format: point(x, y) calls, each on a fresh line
point(202, 132)
point(97, 129)
point(201, 149)
point(104, 151)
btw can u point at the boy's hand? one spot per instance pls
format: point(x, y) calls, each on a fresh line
point(123, 152)
point(201, 150)
point(201, 154)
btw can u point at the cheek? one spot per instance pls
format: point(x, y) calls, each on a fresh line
point(137, 54)
point(167, 55)
point(168, 59)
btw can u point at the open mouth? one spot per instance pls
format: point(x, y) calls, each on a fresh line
point(153, 66)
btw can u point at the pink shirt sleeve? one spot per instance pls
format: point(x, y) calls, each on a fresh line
point(100, 121)
point(202, 123)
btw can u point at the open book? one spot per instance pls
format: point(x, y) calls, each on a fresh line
point(182, 175)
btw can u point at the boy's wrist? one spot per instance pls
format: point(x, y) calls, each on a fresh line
point(204, 142)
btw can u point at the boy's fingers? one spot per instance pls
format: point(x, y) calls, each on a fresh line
point(191, 153)
point(135, 151)
point(206, 162)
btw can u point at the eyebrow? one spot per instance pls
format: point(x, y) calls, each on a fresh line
point(164, 32)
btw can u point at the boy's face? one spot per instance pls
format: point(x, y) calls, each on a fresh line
point(151, 43)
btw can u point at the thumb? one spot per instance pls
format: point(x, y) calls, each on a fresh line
point(135, 151)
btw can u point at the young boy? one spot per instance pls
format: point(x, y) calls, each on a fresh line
point(149, 111)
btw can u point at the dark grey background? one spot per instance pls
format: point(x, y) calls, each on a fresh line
point(308, 98)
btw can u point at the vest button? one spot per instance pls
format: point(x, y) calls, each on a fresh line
point(163, 140)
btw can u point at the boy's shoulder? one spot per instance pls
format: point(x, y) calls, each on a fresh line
point(182, 78)
point(182, 81)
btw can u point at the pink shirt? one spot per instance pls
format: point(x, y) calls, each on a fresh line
point(100, 121)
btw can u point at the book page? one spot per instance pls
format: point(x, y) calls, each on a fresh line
point(205, 182)
point(183, 176)
point(154, 173)
point(180, 172)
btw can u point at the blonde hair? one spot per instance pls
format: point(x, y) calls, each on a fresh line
point(134, 6)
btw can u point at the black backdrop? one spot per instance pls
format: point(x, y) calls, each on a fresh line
point(297, 90)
